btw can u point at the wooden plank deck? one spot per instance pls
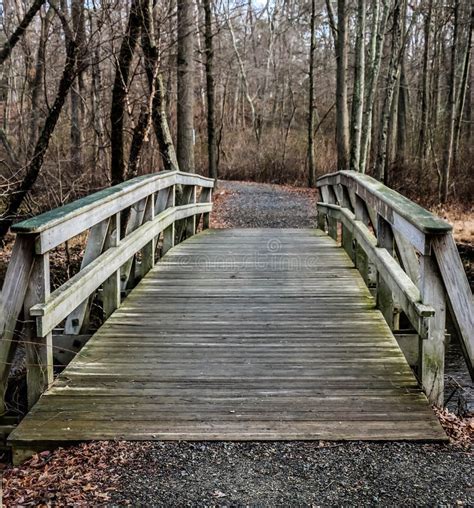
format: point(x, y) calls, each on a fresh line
point(239, 334)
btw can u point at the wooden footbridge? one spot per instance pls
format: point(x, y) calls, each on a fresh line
point(234, 334)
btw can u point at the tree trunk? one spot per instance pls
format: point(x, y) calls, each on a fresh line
point(359, 88)
point(38, 82)
point(423, 142)
point(16, 35)
point(185, 106)
point(119, 94)
point(100, 154)
point(157, 90)
point(461, 101)
point(342, 111)
point(449, 139)
point(77, 17)
point(210, 91)
point(379, 24)
point(311, 112)
point(403, 99)
point(392, 76)
point(139, 136)
point(245, 84)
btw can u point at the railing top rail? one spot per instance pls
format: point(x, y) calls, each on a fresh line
point(416, 215)
point(105, 197)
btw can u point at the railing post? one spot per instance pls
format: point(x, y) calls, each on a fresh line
point(321, 220)
point(134, 220)
point(39, 350)
point(385, 301)
point(169, 232)
point(111, 288)
point(346, 235)
point(148, 252)
point(433, 347)
point(361, 212)
point(191, 221)
point(362, 261)
point(206, 197)
point(330, 197)
point(78, 320)
point(12, 298)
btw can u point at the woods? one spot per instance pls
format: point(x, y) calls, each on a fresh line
point(95, 93)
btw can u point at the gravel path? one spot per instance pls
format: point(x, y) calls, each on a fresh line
point(256, 205)
point(299, 474)
point(244, 474)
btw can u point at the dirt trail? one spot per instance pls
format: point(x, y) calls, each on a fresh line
point(257, 205)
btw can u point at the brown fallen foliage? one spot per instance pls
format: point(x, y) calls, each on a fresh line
point(83, 475)
point(459, 430)
point(219, 199)
point(462, 219)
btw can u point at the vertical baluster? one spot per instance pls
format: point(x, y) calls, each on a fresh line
point(362, 261)
point(111, 287)
point(169, 232)
point(385, 301)
point(78, 320)
point(433, 347)
point(206, 197)
point(330, 197)
point(135, 220)
point(39, 350)
point(191, 221)
point(148, 252)
point(347, 236)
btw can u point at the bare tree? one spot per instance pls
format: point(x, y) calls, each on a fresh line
point(119, 93)
point(379, 24)
point(392, 77)
point(210, 90)
point(78, 26)
point(185, 105)
point(463, 87)
point(342, 111)
point(15, 199)
point(423, 142)
point(17, 34)
point(359, 88)
point(156, 89)
point(451, 118)
point(311, 110)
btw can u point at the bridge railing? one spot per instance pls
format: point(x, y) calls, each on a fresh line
point(124, 225)
point(408, 258)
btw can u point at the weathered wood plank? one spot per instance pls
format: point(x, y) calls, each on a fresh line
point(12, 298)
point(39, 350)
point(58, 225)
point(375, 192)
point(407, 295)
point(76, 321)
point(111, 289)
point(78, 288)
point(433, 348)
point(257, 349)
point(458, 292)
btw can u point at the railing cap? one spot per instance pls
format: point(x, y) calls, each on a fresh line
point(416, 215)
point(56, 216)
